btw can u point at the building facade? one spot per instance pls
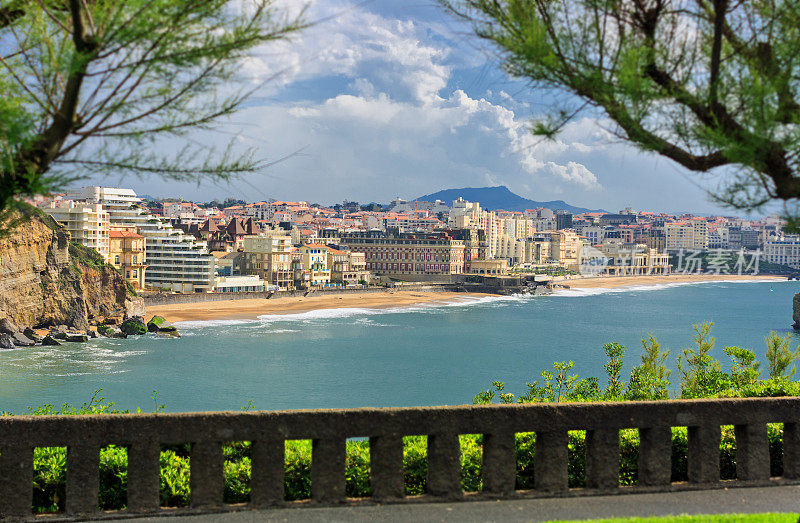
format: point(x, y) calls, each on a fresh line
point(409, 254)
point(88, 223)
point(127, 252)
point(176, 260)
point(269, 256)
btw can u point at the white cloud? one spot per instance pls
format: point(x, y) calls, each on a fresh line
point(574, 172)
point(383, 107)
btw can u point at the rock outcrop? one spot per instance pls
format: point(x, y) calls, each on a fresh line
point(45, 280)
point(796, 311)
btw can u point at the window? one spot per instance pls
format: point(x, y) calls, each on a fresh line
point(116, 259)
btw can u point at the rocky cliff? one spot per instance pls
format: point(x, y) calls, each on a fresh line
point(45, 280)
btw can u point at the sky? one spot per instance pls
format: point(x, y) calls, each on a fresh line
point(389, 98)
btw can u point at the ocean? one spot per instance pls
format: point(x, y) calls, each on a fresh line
point(421, 355)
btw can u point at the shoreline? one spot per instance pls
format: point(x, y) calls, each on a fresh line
point(614, 282)
point(251, 309)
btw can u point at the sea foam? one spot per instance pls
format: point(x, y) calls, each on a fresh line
point(580, 293)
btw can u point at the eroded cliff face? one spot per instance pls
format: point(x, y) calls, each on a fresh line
point(42, 283)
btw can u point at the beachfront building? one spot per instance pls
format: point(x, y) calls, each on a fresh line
point(784, 250)
point(314, 258)
point(690, 234)
point(127, 252)
point(176, 261)
point(498, 267)
point(409, 256)
point(269, 256)
point(250, 283)
point(634, 259)
point(88, 223)
point(348, 267)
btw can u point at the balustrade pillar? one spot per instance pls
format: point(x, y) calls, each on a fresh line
point(752, 452)
point(791, 450)
point(602, 458)
point(499, 463)
point(16, 480)
point(550, 461)
point(703, 453)
point(143, 476)
point(328, 457)
point(444, 465)
point(83, 478)
point(655, 456)
point(206, 476)
point(386, 467)
point(268, 472)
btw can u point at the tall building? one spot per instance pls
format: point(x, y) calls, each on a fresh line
point(690, 234)
point(501, 227)
point(87, 223)
point(269, 256)
point(176, 260)
point(126, 252)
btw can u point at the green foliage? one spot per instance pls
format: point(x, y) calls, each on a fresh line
point(89, 86)
point(700, 372)
point(780, 356)
point(720, 94)
point(86, 256)
point(615, 354)
point(650, 380)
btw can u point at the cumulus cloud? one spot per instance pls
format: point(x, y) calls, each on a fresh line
point(383, 106)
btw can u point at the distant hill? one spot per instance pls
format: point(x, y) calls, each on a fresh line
point(493, 198)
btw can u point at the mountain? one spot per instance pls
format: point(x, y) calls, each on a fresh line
point(493, 198)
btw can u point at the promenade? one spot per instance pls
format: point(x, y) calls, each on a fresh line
point(721, 501)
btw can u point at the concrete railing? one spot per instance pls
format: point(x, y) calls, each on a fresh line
point(144, 435)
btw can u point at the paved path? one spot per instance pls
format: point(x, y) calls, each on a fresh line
point(736, 500)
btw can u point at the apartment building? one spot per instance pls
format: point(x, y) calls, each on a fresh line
point(175, 260)
point(269, 256)
point(314, 258)
point(127, 252)
point(347, 267)
point(624, 258)
point(784, 250)
point(502, 228)
point(88, 223)
point(689, 234)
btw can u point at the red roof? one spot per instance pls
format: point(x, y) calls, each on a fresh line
point(123, 234)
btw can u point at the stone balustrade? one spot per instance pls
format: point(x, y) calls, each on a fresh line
point(144, 435)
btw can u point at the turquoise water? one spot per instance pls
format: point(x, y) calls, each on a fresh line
point(425, 355)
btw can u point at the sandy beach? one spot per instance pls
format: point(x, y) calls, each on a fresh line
point(610, 282)
point(252, 309)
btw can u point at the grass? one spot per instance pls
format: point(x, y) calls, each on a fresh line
point(769, 517)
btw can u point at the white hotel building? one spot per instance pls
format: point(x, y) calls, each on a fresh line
point(175, 260)
point(785, 250)
point(87, 223)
